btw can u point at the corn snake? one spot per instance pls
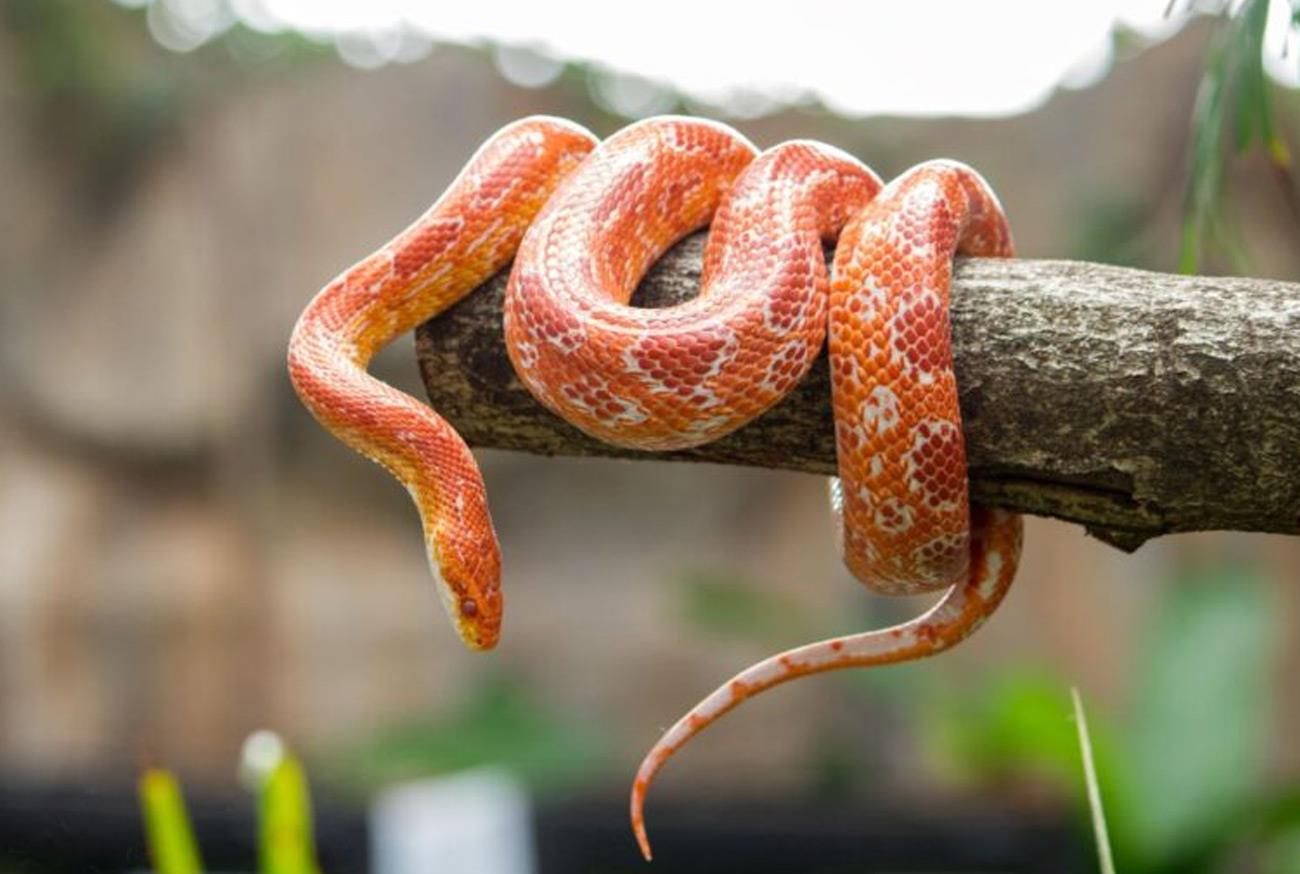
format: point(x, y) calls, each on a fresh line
point(583, 222)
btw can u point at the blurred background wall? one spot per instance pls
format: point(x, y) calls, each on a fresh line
point(186, 557)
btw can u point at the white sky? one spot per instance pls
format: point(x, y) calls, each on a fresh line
point(961, 57)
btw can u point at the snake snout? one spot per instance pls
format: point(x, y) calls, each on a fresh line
point(477, 618)
point(475, 607)
point(467, 575)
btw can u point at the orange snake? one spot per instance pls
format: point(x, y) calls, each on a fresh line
point(583, 222)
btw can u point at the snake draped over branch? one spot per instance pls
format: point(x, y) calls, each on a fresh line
point(583, 221)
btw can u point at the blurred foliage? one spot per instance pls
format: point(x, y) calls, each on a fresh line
point(500, 723)
point(168, 832)
point(722, 606)
point(285, 842)
point(1012, 726)
point(104, 97)
point(1234, 92)
point(101, 94)
point(1181, 774)
point(1198, 720)
point(1110, 231)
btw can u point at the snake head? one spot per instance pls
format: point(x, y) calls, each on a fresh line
point(470, 590)
point(466, 566)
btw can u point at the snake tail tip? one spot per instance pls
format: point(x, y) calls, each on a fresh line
point(638, 826)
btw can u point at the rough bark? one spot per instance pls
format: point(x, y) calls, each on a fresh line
point(1134, 403)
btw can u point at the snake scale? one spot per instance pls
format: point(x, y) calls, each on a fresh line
point(582, 221)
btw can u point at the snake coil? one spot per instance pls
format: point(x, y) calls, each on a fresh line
point(583, 222)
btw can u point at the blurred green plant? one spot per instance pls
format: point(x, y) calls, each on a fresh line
point(1182, 774)
point(104, 97)
point(724, 606)
point(168, 832)
point(1010, 725)
point(101, 96)
point(1234, 92)
point(1198, 718)
point(500, 723)
point(1111, 230)
point(285, 841)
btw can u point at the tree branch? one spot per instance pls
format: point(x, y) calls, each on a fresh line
point(1134, 403)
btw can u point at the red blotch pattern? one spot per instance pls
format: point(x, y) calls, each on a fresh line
point(583, 227)
point(703, 368)
point(452, 248)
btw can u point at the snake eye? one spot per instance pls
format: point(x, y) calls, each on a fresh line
point(468, 608)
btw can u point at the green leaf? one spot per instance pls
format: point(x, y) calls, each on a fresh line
point(1199, 717)
point(1254, 118)
point(1206, 168)
point(1254, 109)
point(1234, 84)
point(168, 832)
point(286, 844)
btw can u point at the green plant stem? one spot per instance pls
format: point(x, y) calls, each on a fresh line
point(1094, 792)
point(168, 832)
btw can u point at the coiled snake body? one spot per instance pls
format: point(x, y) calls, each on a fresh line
point(583, 222)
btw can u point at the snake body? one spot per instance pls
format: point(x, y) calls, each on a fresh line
point(583, 223)
point(471, 232)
